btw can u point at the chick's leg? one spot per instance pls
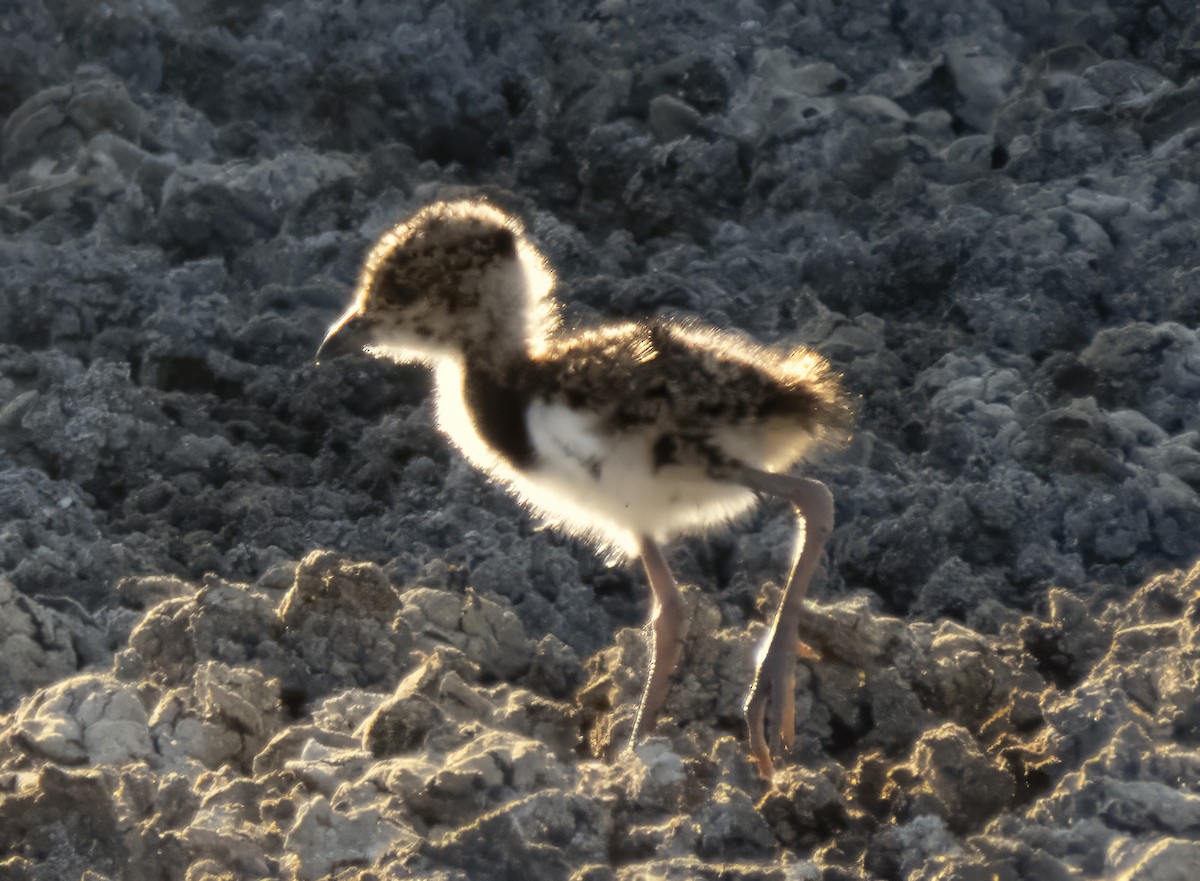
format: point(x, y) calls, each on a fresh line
point(666, 633)
point(770, 706)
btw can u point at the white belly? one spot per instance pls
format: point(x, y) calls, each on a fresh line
point(606, 486)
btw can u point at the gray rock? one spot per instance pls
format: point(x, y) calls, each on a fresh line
point(218, 622)
point(1168, 859)
point(35, 645)
point(63, 823)
point(400, 724)
point(341, 619)
point(804, 807)
point(786, 97)
point(322, 839)
point(551, 832)
point(495, 638)
point(671, 118)
point(904, 849)
point(87, 719)
point(1147, 367)
point(52, 544)
point(982, 79)
point(182, 733)
point(949, 776)
point(205, 204)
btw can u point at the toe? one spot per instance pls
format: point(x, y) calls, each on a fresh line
point(806, 651)
point(786, 701)
point(780, 672)
point(755, 710)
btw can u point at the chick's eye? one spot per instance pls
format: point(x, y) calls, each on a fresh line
point(392, 288)
point(502, 243)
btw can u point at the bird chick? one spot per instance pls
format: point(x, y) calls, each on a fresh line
point(627, 434)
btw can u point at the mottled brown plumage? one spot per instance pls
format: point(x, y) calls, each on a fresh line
point(653, 371)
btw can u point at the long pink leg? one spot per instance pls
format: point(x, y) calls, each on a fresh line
point(770, 706)
point(666, 623)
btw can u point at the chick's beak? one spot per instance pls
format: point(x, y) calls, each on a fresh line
point(348, 335)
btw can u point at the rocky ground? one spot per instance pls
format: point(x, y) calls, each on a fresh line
point(258, 621)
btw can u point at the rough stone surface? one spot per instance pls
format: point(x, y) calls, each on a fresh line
point(257, 620)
